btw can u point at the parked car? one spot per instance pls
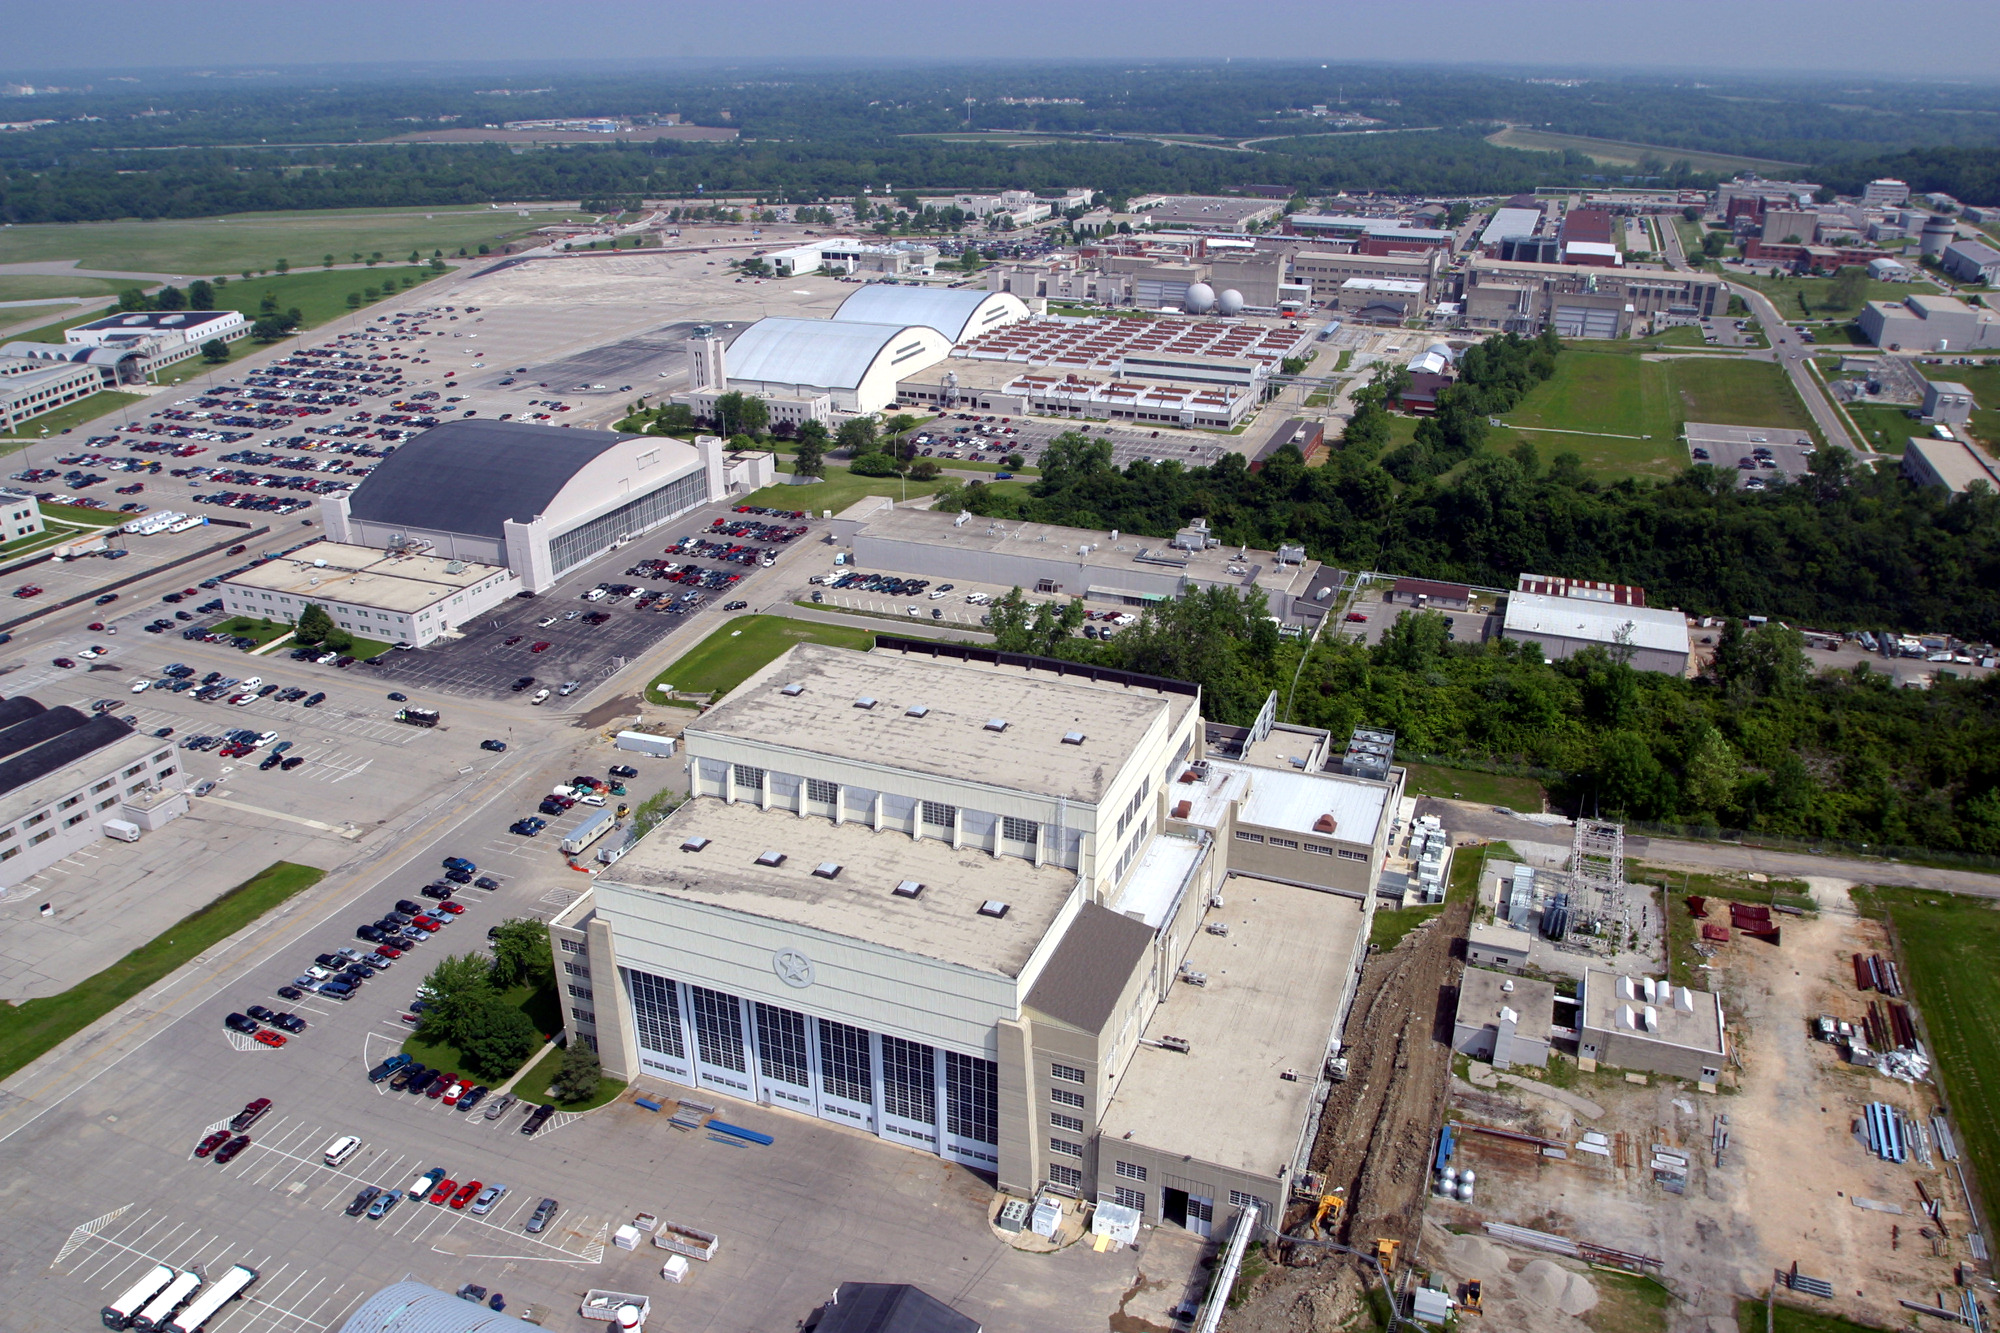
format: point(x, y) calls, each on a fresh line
point(208, 1145)
point(228, 1151)
point(383, 1203)
point(250, 1114)
point(240, 1023)
point(488, 1196)
point(368, 1195)
point(538, 1117)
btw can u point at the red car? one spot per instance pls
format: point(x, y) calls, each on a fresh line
point(1357, 617)
point(454, 1092)
point(452, 909)
point(28, 590)
point(428, 923)
point(269, 1038)
point(439, 1084)
point(541, 647)
point(227, 1152)
point(96, 628)
point(445, 1189)
point(64, 663)
point(211, 1143)
point(250, 1114)
point(388, 951)
point(466, 1193)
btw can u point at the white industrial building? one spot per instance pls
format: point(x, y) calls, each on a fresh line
point(162, 337)
point(1001, 909)
point(1929, 323)
point(536, 500)
point(1972, 261)
point(848, 254)
point(64, 775)
point(1886, 192)
point(403, 597)
point(1656, 639)
point(1952, 464)
point(28, 394)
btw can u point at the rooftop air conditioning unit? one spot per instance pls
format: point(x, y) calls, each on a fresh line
point(1180, 1044)
point(1217, 927)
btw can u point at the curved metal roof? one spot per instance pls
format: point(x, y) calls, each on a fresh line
point(949, 312)
point(471, 476)
point(413, 1307)
point(825, 353)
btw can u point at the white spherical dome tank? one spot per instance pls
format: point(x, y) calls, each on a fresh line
point(1465, 1191)
point(1200, 299)
point(1467, 1176)
point(1230, 302)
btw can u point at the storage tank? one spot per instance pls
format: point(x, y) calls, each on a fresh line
point(1467, 1176)
point(1199, 300)
point(1465, 1191)
point(1939, 231)
point(1230, 302)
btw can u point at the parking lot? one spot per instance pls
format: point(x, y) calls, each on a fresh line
point(1762, 455)
point(1129, 444)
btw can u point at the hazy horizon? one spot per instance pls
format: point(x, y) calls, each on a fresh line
point(1723, 37)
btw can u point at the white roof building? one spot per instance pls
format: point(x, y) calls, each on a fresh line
point(855, 363)
point(1657, 639)
point(1510, 222)
point(957, 315)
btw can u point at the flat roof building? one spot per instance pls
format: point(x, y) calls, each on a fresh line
point(1638, 1023)
point(162, 337)
point(1952, 464)
point(1583, 301)
point(1564, 626)
point(64, 774)
point(1204, 212)
point(1503, 1019)
point(29, 394)
point(535, 500)
point(406, 598)
point(1949, 402)
point(1928, 323)
point(1507, 224)
point(940, 894)
point(1972, 261)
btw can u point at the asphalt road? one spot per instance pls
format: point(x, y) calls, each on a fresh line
point(1485, 822)
point(1788, 351)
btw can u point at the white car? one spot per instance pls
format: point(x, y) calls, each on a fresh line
point(251, 684)
point(590, 798)
point(541, 696)
point(141, 686)
point(545, 622)
point(267, 738)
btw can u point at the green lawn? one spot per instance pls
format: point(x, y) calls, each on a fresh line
point(840, 489)
point(205, 247)
point(534, 1085)
point(28, 1030)
point(1801, 299)
point(53, 333)
point(1946, 946)
point(543, 1008)
point(74, 414)
point(51, 535)
point(741, 647)
point(1886, 429)
point(263, 631)
point(1465, 784)
point(96, 518)
point(321, 296)
point(1622, 395)
point(28, 286)
point(21, 314)
point(1796, 1319)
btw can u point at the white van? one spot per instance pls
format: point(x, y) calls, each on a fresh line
point(342, 1148)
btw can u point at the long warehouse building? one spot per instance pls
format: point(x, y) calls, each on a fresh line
point(980, 905)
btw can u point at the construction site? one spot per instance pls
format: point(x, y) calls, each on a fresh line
point(1695, 1096)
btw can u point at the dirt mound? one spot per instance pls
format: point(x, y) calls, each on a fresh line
point(1553, 1287)
point(1324, 1297)
point(609, 711)
point(1474, 1258)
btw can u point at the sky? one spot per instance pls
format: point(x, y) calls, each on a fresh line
point(1954, 39)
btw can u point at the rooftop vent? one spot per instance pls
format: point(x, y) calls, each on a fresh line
point(917, 710)
point(771, 859)
point(1217, 927)
point(864, 702)
point(1325, 824)
point(827, 870)
point(996, 724)
point(909, 888)
point(1181, 1044)
point(794, 690)
point(992, 908)
point(1182, 808)
point(1072, 738)
point(694, 844)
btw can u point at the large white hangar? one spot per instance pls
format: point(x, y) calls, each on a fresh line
point(958, 315)
point(807, 368)
point(539, 500)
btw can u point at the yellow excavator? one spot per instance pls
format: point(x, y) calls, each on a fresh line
point(1326, 1216)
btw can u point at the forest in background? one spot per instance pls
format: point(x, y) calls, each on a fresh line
point(308, 138)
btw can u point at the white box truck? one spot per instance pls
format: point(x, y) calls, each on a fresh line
point(645, 742)
point(123, 830)
point(589, 831)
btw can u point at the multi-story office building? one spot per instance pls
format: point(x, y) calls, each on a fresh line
point(64, 775)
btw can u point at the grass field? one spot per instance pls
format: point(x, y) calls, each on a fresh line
point(24, 314)
point(30, 286)
point(839, 489)
point(74, 414)
point(320, 295)
point(1947, 945)
point(1465, 784)
point(741, 647)
point(205, 247)
point(1621, 395)
point(53, 333)
point(1887, 429)
point(28, 1030)
point(534, 1085)
point(1796, 1319)
point(1812, 298)
point(1623, 153)
point(92, 518)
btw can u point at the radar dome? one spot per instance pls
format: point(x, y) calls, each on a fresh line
point(1200, 299)
point(1230, 302)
